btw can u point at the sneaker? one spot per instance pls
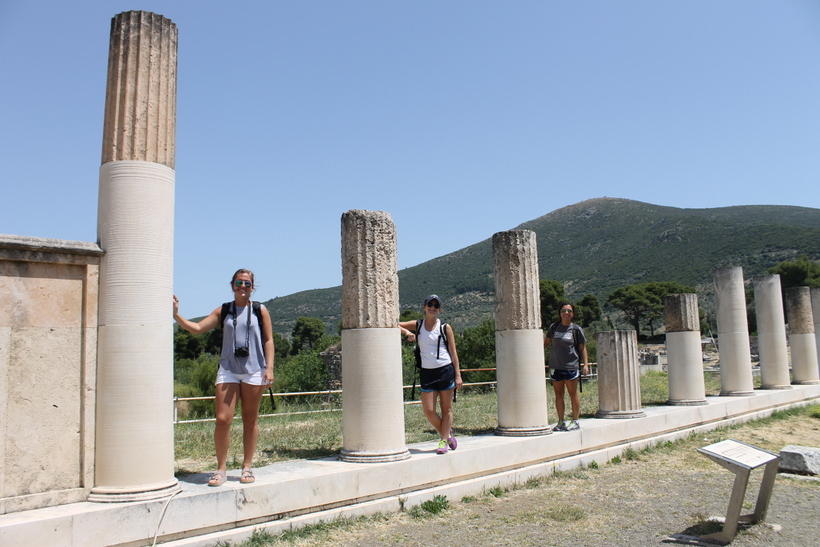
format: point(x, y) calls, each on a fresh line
point(451, 440)
point(442, 447)
point(562, 426)
point(573, 425)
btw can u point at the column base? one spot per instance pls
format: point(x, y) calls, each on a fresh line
point(373, 457)
point(806, 383)
point(687, 402)
point(778, 386)
point(122, 495)
point(737, 393)
point(620, 414)
point(522, 431)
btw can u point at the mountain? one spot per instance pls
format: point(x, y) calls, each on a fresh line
point(594, 247)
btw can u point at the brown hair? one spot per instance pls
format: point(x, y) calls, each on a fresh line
point(242, 271)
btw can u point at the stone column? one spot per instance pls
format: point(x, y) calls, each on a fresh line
point(135, 432)
point(619, 384)
point(733, 333)
point(684, 352)
point(801, 336)
point(815, 312)
point(771, 333)
point(372, 397)
point(519, 342)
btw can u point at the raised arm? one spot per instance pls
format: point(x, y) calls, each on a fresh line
point(210, 322)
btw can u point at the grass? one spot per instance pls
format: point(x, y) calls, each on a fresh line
point(319, 435)
point(430, 507)
point(551, 510)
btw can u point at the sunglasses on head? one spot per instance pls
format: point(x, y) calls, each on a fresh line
point(241, 283)
point(433, 305)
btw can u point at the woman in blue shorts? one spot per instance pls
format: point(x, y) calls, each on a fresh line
point(245, 369)
point(440, 373)
point(569, 349)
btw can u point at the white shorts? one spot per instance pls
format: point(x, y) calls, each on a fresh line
point(227, 377)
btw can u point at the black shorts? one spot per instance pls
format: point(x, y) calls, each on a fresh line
point(438, 379)
point(562, 375)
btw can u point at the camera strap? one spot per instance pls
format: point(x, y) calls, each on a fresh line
point(248, 331)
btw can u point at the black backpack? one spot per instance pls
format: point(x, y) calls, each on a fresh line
point(228, 307)
point(442, 336)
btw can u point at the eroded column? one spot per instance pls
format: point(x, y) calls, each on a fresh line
point(684, 352)
point(134, 433)
point(801, 336)
point(733, 333)
point(372, 401)
point(519, 342)
point(815, 312)
point(619, 375)
point(771, 333)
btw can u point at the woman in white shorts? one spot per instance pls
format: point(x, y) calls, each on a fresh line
point(245, 369)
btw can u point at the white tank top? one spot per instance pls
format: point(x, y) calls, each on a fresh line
point(434, 352)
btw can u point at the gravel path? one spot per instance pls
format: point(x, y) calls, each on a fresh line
point(642, 500)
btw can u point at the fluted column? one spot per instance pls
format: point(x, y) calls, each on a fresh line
point(801, 336)
point(733, 333)
point(522, 395)
point(372, 398)
point(134, 433)
point(771, 333)
point(684, 352)
point(619, 375)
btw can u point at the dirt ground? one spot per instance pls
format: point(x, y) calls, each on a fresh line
point(643, 500)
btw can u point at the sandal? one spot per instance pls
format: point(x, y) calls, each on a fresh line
point(247, 477)
point(217, 479)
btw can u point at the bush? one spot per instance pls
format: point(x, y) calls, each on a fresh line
point(303, 372)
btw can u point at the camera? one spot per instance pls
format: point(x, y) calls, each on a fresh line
point(241, 352)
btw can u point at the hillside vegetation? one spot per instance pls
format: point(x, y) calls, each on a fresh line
point(594, 247)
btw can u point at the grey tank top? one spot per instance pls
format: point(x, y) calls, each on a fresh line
point(255, 361)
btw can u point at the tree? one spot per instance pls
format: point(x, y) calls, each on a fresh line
point(410, 315)
point(186, 345)
point(281, 346)
point(306, 332)
point(552, 294)
point(643, 302)
point(801, 272)
point(588, 310)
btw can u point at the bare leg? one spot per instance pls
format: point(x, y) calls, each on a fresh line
point(574, 398)
point(558, 387)
point(226, 397)
point(428, 405)
point(251, 397)
point(446, 413)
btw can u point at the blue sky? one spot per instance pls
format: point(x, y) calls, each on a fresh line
point(460, 119)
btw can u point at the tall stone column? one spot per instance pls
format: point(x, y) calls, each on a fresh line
point(733, 333)
point(815, 312)
point(684, 352)
point(372, 396)
point(801, 336)
point(519, 342)
point(771, 333)
point(619, 375)
point(134, 433)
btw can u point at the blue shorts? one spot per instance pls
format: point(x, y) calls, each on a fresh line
point(438, 379)
point(563, 375)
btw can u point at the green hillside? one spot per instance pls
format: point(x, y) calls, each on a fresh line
point(594, 247)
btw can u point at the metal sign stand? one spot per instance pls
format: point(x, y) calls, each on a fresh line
point(741, 458)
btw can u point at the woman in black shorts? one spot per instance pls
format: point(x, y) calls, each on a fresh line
point(569, 349)
point(440, 373)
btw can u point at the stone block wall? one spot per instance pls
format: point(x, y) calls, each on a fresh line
point(48, 345)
